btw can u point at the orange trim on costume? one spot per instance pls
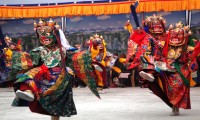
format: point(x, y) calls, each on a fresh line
point(192, 82)
point(118, 70)
point(160, 84)
point(100, 79)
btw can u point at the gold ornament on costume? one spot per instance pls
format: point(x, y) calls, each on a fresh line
point(178, 38)
point(128, 26)
point(42, 22)
point(8, 40)
point(51, 23)
point(34, 24)
point(171, 53)
point(174, 53)
point(11, 45)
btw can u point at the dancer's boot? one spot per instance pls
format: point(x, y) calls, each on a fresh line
point(175, 111)
point(147, 76)
point(25, 95)
point(55, 118)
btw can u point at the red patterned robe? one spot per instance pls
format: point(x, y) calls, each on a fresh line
point(176, 78)
point(144, 48)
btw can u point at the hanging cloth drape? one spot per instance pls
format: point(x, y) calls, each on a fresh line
point(96, 8)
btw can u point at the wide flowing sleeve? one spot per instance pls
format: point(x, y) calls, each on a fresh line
point(81, 64)
point(23, 61)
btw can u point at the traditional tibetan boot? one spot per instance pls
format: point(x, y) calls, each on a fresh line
point(25, 95)
point(97, 67)
point(175, 111)
point(55, 118)
point(146, 76)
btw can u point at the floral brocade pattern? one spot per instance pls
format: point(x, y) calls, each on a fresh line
point(60, 102)
point(82, 64)
point(50, 58)
point(177, 91)
point(146, 49)
point(132, 46)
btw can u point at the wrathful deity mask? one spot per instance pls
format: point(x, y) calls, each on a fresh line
point(97, 47)
point(178, 35)
point(97, 41)
point(46, 36)
point(46, 32)
point(155, 24)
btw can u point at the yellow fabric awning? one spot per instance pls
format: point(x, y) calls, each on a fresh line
point(96, 8)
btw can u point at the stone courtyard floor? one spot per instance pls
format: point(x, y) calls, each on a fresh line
point(132, 103)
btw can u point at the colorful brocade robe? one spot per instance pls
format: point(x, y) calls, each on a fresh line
point(42, 71)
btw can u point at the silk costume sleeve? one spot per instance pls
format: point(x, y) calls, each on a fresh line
point(23, 61)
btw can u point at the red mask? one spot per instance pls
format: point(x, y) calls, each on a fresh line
point(156, 27)
point(176, 37)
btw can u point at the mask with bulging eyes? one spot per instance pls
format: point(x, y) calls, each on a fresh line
point(46, 35)
point(176, 37)
point(156, 27)
point(98, 42)
point(155, 24)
